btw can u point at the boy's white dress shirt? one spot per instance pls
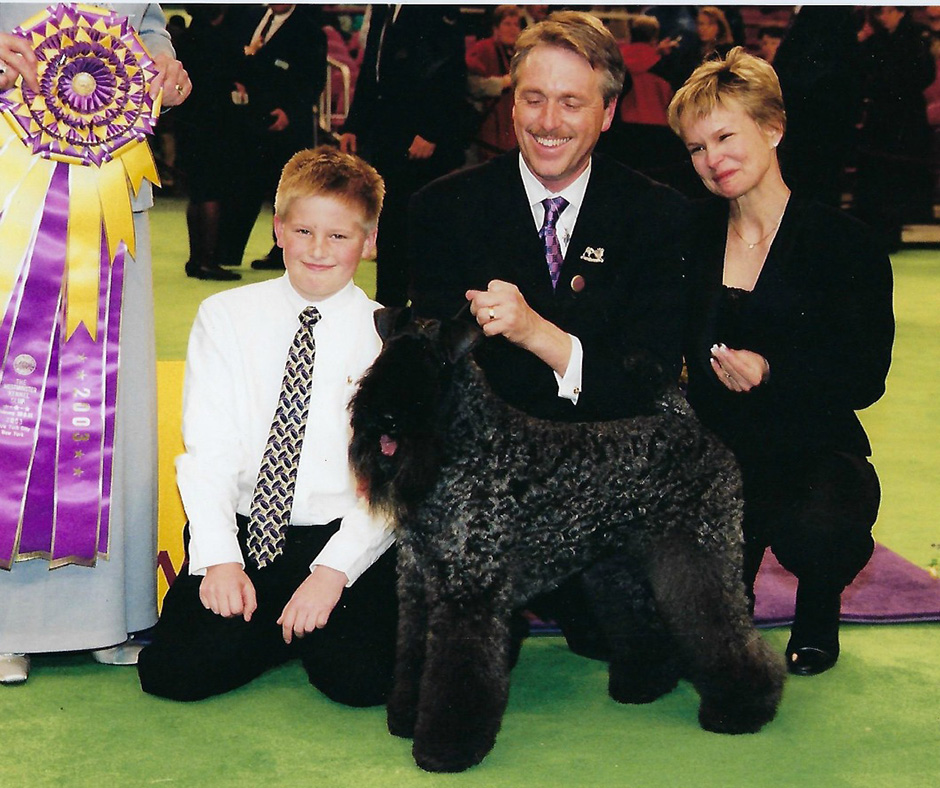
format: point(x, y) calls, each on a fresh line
point(234, 367)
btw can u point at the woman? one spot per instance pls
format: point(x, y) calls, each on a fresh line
point(714, 40)
point(80, 608)
point(489, 83)
point(790, 332)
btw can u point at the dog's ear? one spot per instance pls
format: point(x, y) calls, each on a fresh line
point(459, 337)
point(390, 319)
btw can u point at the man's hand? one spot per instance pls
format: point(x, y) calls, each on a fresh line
point(310, 606)
point(501, 310)
point(17, 57)
point(227, 592)
point(172, 77)
point(420, 148)
point(347, 143)
point(281, 121)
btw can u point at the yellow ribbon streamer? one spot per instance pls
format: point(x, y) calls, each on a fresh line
point(83, 251)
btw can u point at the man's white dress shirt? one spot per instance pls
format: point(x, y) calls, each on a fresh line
point(569, 385)
point(234, 368)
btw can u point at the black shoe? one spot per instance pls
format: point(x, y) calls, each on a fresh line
point(268, 263)
point(809, 661)
point(197, 271)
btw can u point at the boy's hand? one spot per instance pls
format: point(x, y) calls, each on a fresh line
point(310, 606)
point(227, 592)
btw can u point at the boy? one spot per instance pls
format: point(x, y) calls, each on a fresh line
point(283, 559)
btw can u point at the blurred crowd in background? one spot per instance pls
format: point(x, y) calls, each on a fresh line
point(860, 85)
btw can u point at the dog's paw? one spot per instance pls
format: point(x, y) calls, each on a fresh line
point(441, 756)
point(400, 724)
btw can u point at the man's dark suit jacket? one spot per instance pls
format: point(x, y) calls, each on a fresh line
point(288, 72)
point(419, 90)
point(627, 248)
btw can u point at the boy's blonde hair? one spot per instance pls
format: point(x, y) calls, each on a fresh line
point(749, 80)
point(581, 33)
point(328, 172)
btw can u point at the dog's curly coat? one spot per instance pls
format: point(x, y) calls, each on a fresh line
point(494, 507)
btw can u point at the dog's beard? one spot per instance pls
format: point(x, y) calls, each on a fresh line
point(395, 481)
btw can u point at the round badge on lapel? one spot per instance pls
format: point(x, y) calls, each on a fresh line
point(577, 283)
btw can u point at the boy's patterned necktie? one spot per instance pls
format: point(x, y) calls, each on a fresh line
point(553, 256)
point(274, 491)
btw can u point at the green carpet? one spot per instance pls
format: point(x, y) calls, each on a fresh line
point(873, 721)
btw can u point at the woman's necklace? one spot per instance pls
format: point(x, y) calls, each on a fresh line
point(762, 238)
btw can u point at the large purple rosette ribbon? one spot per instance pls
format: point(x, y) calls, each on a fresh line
point(70, 156)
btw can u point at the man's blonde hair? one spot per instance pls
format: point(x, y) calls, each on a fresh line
point(749, 80)
point(326, 171)
point(581, 33)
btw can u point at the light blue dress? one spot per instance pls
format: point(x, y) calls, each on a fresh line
point(73, 607)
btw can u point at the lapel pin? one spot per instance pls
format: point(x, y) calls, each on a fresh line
point(592, 255)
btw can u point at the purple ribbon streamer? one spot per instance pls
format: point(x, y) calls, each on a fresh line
point(57, 420)
point(112, 360)
point(25, 367)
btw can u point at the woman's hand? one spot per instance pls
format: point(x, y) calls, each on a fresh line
point(174, 80)
point(17, 57)
point(739, 370)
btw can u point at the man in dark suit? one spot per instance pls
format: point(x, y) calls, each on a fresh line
point(280, 78)
point(567, 351)
point(405, 119)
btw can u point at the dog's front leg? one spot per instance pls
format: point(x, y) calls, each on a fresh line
point(402, 707)
point(465, 685)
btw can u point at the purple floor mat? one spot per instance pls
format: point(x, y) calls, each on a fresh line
point(890, 590)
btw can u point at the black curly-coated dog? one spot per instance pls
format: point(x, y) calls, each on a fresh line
point(494, 507)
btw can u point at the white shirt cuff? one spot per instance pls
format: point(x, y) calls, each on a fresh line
point(359, 542)
point(569, 386)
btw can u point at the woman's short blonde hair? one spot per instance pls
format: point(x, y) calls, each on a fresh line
point(748, 80)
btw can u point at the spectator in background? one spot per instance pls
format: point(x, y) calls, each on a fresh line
point(639, 136)
point(211, 51)
point(649, 94)
point(818, 67)
point(489, 83)
point(281, 75)
point(893, 175)
point(404, 119)
point(932, 94)
point(715, 39)
point(769, 39)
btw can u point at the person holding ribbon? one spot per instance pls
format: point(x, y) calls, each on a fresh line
point(78, 452)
